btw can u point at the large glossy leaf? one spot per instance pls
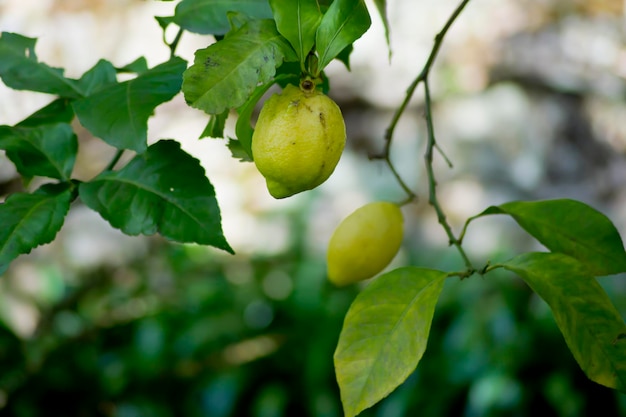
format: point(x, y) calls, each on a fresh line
point(226, 73)
point(210, 16)
point(19, 68)
point(163, 190)
point(30, 220)
point(297, 21)
point(45, 150)
point(119, 113)
point(344, 22)
point(593, 329)
point(384, 335)
point(570, 227)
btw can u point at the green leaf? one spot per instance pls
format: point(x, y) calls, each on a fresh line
point(237, 151)
point(381, 5)
point(343, 23)
point(138, 66)
point(226, 73)
point(593, 329)
point(324, 4)
point(30, 220)
point(344, 56)
point(164, 21)
point(570, 227)
point(215, 127)
point(46, 150)
point(210, 16)
point(384, 335)
point(119, 113)
point(58, 111)
point(20, 70)
point(297, 21)
point(163, 190)
point(99, 76)
point(235, 20)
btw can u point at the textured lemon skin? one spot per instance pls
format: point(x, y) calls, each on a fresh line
point(364, 243)
point(298, 140)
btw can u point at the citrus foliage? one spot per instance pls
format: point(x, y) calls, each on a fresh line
point(385, 335)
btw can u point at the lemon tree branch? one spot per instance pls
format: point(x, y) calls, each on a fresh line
point(431, 145)
point(432, 181)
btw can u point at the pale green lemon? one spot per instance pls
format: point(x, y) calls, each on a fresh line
point(364, 243)
point(298, 140)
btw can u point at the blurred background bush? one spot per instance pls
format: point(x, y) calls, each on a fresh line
point(529, 104)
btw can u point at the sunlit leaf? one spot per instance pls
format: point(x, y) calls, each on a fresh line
point(384, 335)
point(30, 220)
point(46, 150)
point(570, 227)
point(119, 113)
point(344, 22)
point(210, 16)
point(19, 69)
point(593, 329)
point(164, 190)
point(226, 73)
point(297, 21)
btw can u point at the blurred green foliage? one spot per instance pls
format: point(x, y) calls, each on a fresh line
point(188, 331)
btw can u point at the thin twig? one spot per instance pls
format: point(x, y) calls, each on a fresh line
point(444, 156)
point(174, 44)
point(431, 143)
point(422, 75)
point(432, 182)
point(114, 160)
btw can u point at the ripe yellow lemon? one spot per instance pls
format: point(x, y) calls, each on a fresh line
point(364, 243)
point(298, 140)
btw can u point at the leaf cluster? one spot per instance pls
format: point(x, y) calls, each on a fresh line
point(161, 190)
point(259, 44)
point(385, 332)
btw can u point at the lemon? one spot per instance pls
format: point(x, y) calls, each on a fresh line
point(364, 243)
point(298, 140)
